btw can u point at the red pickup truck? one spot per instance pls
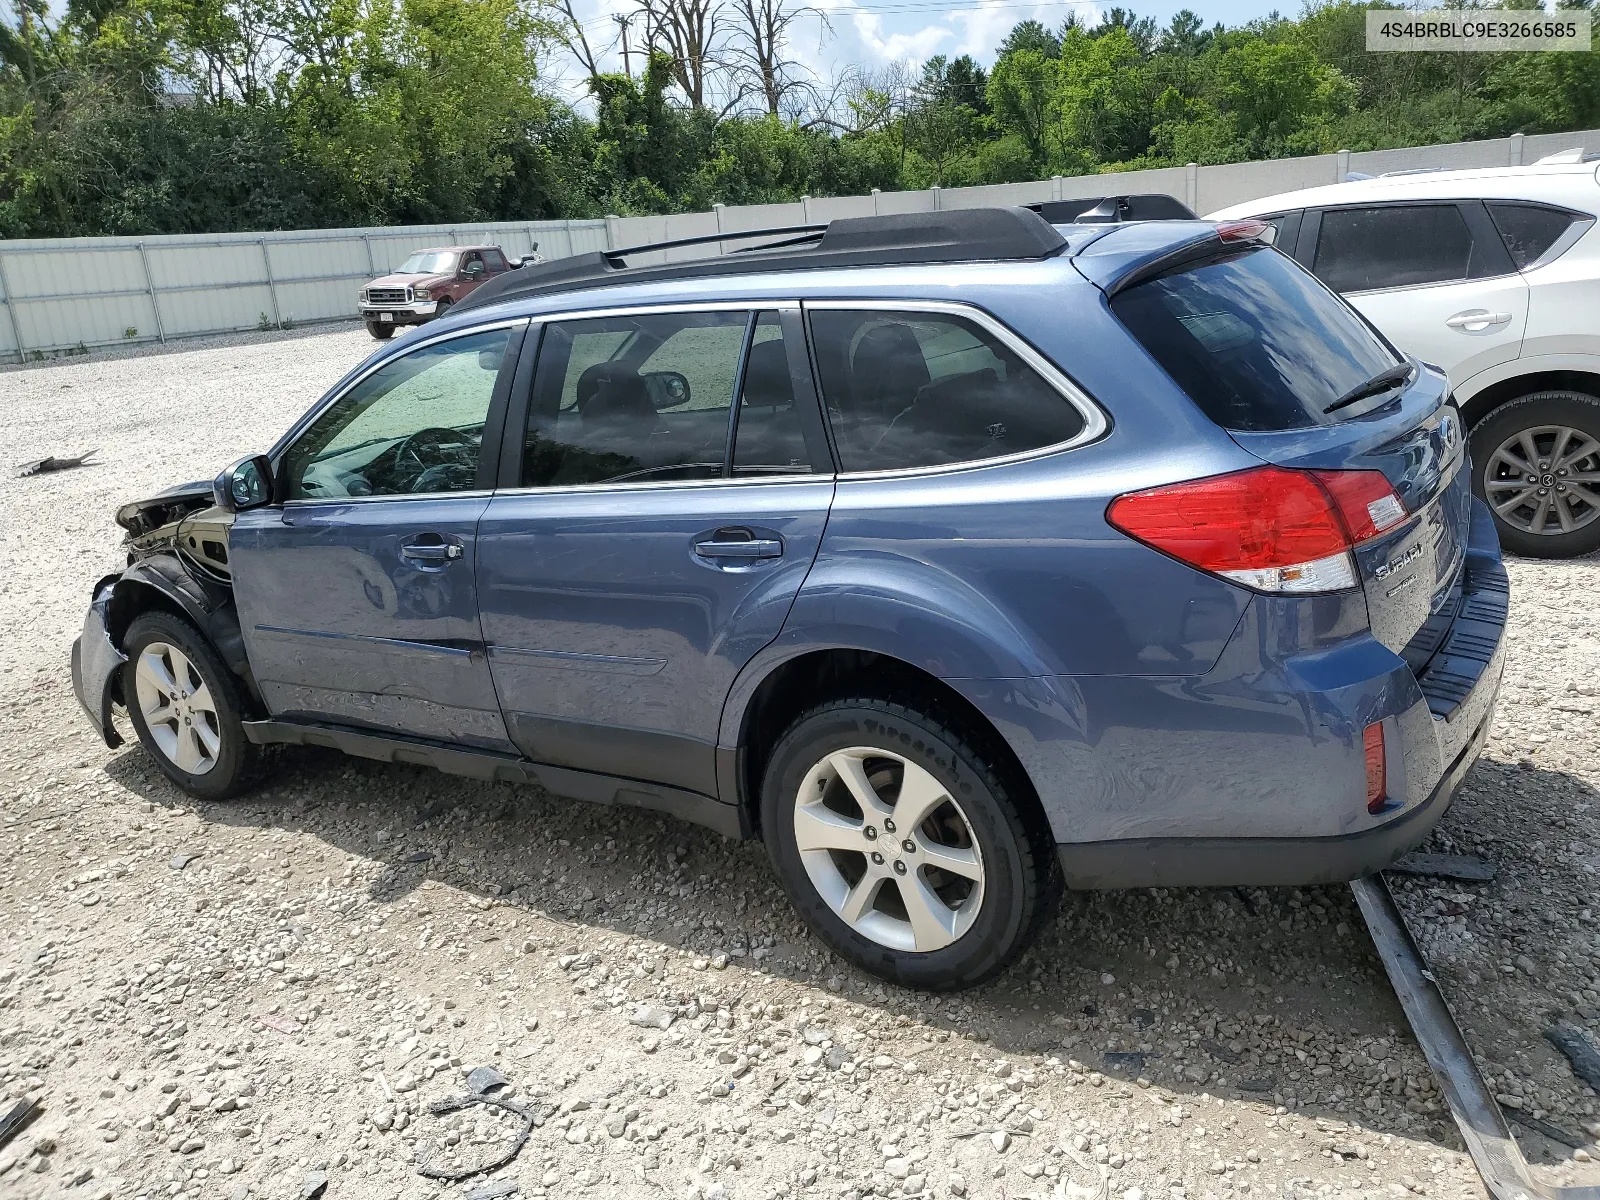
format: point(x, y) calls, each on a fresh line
point(427, 284)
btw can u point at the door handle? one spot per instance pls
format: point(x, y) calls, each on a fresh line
point(744, 548)
point(1476, 320)
point(431, 552)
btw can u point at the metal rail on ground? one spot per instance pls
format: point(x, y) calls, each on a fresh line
point(1495, 1152)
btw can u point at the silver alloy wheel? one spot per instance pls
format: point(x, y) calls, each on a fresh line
point(1545, 480)
point(177, 707)
point(889, 849)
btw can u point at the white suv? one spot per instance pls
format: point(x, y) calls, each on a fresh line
point(1493, 275)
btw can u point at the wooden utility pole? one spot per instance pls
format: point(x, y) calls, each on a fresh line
point(623, 21)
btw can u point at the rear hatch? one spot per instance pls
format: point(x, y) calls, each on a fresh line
point(1301, 381)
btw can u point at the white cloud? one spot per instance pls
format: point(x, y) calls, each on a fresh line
point(901, 45)
point(985, 26)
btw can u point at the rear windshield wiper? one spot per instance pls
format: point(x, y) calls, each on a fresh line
point(1383, 381)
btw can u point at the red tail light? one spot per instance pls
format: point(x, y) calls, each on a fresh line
point(1377, 769)
point(1269, 528)
point(1246, 229)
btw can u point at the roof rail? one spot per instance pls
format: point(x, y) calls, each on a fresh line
point(955, 235)
point(618, 258)
point(1114, 210)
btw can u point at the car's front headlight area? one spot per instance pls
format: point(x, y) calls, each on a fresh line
point(422, 293)
point(362, 297)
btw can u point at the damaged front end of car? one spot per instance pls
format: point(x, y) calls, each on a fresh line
point(177, 545)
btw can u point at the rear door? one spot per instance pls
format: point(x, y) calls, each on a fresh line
point(655, 534)
point(1434, 276)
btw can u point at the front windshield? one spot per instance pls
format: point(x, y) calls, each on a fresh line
point(428, 262)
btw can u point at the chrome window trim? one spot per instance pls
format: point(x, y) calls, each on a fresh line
point(310, 416)
point(1095, 423)
point(665, 309)
point(324, 501)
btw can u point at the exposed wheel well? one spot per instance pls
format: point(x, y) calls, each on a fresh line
point(220, 628)
point(134, 597)
point(1496, 394)
point(812, 679)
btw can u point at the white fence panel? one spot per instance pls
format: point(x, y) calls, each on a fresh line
point(996, 195)
point(905, 202)
point(1234, 183)
point(830, 208)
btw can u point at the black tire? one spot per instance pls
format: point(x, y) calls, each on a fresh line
point(1021, 875)
point(381, 330)
point(1541, 410)
point(442, 309)
point(236, 763)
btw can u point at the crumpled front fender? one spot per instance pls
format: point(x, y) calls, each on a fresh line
point(97, 663)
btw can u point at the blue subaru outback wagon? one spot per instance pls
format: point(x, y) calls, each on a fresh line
point(956, 557)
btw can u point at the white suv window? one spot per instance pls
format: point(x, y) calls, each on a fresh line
point(1363, 249)
point(1530, 229)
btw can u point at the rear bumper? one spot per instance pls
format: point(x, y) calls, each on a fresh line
point(1267, 862)
point(1254, 773)
point(97, 664)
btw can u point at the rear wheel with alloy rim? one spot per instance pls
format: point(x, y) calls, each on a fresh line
point(898, 841)
point(185, 707)
point(1537, 466)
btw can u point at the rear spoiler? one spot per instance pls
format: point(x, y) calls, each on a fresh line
point(1113, 210)
point(1130, 254)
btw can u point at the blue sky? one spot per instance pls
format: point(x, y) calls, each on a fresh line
point(875, 33)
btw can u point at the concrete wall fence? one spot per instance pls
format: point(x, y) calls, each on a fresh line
point(65, 294)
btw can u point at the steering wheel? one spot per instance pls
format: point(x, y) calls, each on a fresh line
point(432, 447)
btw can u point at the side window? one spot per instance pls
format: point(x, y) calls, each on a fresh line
point(1287, 226)
point(471, 261)
point(1530, 229)
point(1360, 249)
point(641, 398)
point(917, 389)
point(496, 260)
point(769, 439)
point(415, 425)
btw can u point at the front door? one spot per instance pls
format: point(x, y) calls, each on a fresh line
point(356, 592)
point(658, 536)
point(1435, 277)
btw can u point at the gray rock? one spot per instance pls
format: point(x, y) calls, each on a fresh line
point(481, 1080)
point(649, 1016)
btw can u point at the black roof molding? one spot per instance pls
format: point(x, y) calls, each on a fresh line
point(959, 235)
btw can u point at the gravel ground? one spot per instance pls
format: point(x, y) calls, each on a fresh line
point(229, 1000)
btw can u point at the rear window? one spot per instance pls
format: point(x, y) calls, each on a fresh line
point(1256, 342)
point(1530, 229)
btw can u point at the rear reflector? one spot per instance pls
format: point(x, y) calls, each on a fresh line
point(1377, 768)
point(1269, 528)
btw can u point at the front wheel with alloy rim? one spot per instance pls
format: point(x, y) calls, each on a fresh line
point(903, 845)
point(185, 707)
point(1536, 463)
